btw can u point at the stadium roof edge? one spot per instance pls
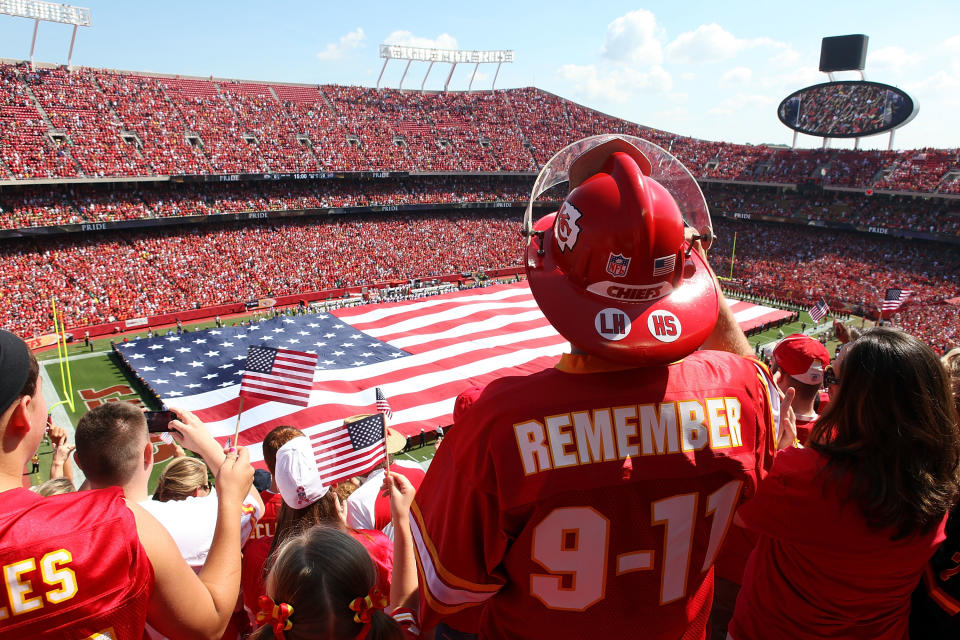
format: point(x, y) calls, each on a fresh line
point(184, 76)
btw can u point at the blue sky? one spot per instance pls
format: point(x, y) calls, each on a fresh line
point(714, 70)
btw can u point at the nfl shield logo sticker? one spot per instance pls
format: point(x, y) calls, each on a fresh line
point(617, 265)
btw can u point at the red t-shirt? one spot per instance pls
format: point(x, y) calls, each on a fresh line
point(257, 549)
point(581, 501)
point(819, 571)
point(804, 427)
point(73, 565)
point(380, 548)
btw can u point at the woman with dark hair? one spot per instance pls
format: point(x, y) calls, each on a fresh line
point(848, 523)
point(935, 610)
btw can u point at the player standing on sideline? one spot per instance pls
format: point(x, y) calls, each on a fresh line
point(90, 564)
point(588, 499)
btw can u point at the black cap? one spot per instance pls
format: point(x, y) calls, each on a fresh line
point(14, 368)
point(262, 479)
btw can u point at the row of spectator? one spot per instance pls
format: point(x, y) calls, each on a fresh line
point(72, 204)
point(928, 215)
point(94, 123)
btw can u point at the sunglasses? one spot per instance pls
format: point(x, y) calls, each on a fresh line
point(830, 376)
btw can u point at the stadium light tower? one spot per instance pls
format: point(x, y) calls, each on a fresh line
point(38, 10)
point(449, 56)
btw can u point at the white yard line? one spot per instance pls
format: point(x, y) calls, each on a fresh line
point(59, 413)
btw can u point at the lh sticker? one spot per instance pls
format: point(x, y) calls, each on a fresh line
point(612, 324)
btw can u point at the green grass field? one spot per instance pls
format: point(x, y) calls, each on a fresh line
point(97, 378)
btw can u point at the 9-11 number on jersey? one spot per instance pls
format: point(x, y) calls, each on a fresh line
point(572, 543)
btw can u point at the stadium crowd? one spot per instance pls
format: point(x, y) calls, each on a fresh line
point(46, 206)
point(658, 474)
point(94, 123)
point(139, 274)
point(25, 207)
point(928, 215)
point(851, 271)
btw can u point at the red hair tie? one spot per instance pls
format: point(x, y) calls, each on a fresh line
point(364, 608)
point(276, 615)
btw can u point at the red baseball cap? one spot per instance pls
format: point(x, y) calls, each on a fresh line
point(802, 358)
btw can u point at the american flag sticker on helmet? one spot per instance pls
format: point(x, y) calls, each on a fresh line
point(664, 265)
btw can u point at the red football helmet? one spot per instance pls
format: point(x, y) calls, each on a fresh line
point(611, 270)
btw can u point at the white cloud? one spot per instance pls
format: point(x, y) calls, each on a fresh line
point(951, 45)
point(712, 43)
point(736, 77)
point(616, 84)
point(335, 51)
point(634, 37)
point(793, 80)
point(443, 41)
point(738, 103)
point(787, 57)
point(891, 59)
point(945, 85)
point(689, 75)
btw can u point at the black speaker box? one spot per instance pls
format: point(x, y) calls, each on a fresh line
point(843, 53)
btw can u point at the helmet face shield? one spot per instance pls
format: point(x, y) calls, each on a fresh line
point(664, 168)
point(611, 269)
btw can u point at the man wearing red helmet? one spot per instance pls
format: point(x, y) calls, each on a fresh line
point(590, 499)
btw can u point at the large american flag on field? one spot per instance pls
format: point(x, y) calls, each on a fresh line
point(894, 298)
point(421, 353)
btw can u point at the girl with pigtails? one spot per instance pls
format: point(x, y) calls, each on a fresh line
point(321, 583)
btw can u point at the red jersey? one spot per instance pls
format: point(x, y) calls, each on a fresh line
point(257, 549)
point(73, 565)
point(574, 502)
point(818, 570)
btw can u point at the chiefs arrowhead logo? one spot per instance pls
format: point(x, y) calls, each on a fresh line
point(566, 228)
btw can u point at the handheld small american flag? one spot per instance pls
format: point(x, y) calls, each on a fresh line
point(383, 406)
point(281, 375)
point(353, 449)
point(894, 299)
point(819, 310)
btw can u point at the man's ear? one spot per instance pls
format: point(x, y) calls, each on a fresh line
point(19, 422)
point(148, 455)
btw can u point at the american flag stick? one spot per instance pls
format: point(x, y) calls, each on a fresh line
point(236, 433)
point(386, 452)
